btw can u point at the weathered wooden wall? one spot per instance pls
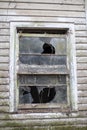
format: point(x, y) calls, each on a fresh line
point(48, 11)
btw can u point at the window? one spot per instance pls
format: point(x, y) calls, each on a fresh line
point(43, 68)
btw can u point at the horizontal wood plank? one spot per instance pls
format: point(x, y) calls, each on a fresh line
point(4, 59)
point(82, 93)
point(4, 31)
point(49, 1)
point(80, 27)
point(42, 105)
point(82, 100)
point(81, 39)
point(33, 116)
point(4, 52)
point(81, 34)
point(4, 25)
point(4, 45)
point(43, 13)
point(82, 66)
point(42, 19)
point(82, 87)
point(4, 81)
point(4, 109)
point(81, 46)
point(82, 73)
point(46, 122)
point(4, 74)
point(4, 95)
point(4, 88)
point(83, 113)
point(4, 38)
point(4, 102)
point(82, 107)
point(81, 53)
point(82, 59)
point(82, 80)
point(36, 6)
point(4, 67)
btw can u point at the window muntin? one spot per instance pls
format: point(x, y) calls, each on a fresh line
point(42, 74)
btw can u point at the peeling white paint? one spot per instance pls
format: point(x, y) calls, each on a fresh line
point(72, 57)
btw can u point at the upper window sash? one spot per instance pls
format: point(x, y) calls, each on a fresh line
point(40, 69)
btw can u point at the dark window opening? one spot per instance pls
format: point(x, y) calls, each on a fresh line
point(42, 31)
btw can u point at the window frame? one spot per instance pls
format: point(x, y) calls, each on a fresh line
point(43, 70)
point(71, 52)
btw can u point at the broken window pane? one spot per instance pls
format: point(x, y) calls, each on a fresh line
point(35, 94)
point(42, 79)
point(43, 59)
point(33, 45)
point(42, 88)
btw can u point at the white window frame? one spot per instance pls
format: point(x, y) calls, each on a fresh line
point(71, 53)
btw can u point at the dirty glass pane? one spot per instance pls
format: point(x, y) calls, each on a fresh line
point(42, 79)
point(43, 94)
point(43, 59)
point(42, 88)
point(33, 45)
point(34, 50)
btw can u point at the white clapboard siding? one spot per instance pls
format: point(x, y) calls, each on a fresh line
point(4, 102)
point(82, 100)
point(82, 66)
point(4, 95)
point(44, 11)
point(81, 33)
point(34, 6)
point(4, 25)
point(82, 93)
point(4, 31)
point(4, 81)
point(82, 73)
point(4, 45)
point(4, 52)
point(4, 74)
point(4, 109)
point(81, 53)
point(4, 59)
point(49, 1)
point(46, 122)
point(4, 67)
point(83, 107)
point(82, 87)
point(82, 59)
point(4, 88)
point(80, 27)
point(4, 38)
point(81, 46)
point(83, 113)
point(42, 19)
point(81, 39)
point(82, 80)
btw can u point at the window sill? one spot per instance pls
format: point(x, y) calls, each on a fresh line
point(46, 109)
